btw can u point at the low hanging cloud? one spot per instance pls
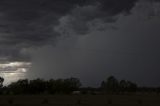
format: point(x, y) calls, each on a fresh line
point(26, 24)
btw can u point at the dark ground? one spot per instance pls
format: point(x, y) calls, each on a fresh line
point(80, 100)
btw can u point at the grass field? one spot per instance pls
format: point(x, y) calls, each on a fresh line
point(81, 100)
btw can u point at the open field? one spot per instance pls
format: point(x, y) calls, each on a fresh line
point(81, 100)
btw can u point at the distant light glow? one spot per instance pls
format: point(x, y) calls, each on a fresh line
point(12, 71)
point(14, 64)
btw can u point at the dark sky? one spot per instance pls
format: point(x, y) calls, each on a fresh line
point(87, 39)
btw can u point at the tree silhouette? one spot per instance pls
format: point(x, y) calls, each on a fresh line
point(72, 83)
point(37, 86)
point(40, 86)
point(123, 85)
point(21, 86)
point(1, 82)
point(111, 85)
point(131, 87)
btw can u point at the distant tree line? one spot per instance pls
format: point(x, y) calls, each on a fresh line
point(66, 86)
point(112, 85)
point(40, 86)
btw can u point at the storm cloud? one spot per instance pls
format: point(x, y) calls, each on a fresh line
point(27, 24)
point(82, 35)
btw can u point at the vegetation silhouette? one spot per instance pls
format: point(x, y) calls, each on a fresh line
point(1, 82)
point(113, 86)
point(72, 86)
point(40, 86)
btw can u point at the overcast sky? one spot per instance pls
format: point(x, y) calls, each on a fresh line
point(87, 39)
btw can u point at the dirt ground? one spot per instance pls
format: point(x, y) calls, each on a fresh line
point(80, 100)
